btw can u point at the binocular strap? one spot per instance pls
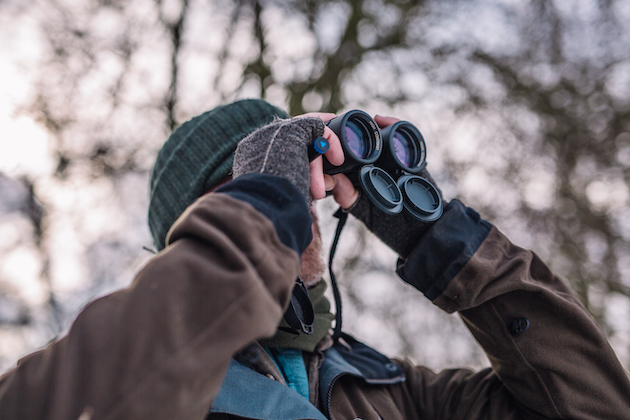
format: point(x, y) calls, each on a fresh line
point(343, 217)
point(300, 315)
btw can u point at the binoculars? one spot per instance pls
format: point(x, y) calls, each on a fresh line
point(385, 164)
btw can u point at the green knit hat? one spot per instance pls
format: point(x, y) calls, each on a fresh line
point(197, 156)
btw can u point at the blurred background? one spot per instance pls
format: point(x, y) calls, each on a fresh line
point(525, 107)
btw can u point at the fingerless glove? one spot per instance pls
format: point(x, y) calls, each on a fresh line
point(280, 148)
point(401, 232)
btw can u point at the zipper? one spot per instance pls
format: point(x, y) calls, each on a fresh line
point(329, 396)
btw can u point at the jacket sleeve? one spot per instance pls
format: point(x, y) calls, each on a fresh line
point(549, 358)
point(160, 348)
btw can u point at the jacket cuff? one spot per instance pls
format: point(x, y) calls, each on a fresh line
point(280, 201)
point(444, 249)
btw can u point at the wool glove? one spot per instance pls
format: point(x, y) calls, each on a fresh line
point(401, 232)
point(280, 148)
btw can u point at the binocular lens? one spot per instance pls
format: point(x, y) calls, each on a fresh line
point(358, 139)
point(404, 148)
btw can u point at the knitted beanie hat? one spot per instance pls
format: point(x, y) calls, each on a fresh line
point(197, 156)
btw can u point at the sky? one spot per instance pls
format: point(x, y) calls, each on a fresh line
point(23, 143)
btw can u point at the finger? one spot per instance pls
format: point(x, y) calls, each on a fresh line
point(318, 186)
point(344, 192)
point(385, 121)
point(335, 151)
point(329, 182)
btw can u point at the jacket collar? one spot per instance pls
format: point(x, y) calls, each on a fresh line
point(248, 394)
point(351, 357)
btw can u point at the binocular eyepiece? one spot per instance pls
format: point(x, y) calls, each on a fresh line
point(386, 164)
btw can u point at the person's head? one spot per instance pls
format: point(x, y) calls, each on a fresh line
point(198, 157)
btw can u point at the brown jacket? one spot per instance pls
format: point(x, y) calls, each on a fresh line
point(161, 348)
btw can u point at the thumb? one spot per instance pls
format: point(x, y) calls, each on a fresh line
point(344, 192)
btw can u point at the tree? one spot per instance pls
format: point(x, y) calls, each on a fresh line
point(524, 108)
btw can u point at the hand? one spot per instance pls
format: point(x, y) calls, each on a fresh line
point(281, 148)
point(401, 232)
point(320, 182)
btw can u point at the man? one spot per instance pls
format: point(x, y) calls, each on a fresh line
point(197, 333)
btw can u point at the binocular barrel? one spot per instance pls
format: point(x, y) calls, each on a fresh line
point(404, 148)
point(385, 164)
point(360, 139)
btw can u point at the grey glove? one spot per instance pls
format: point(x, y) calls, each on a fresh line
point(280, 148)
point(401, 232)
